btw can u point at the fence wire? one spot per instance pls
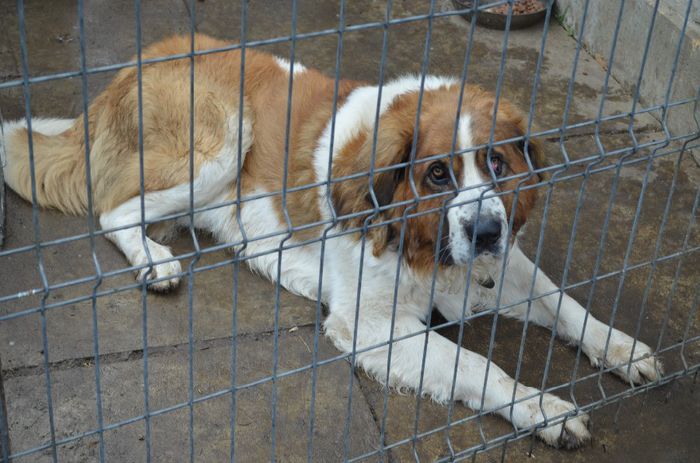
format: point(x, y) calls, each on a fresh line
point(594, 158)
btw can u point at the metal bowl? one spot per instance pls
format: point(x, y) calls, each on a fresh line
point(497, 20)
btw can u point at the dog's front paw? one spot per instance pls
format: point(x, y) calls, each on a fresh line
point(647, 368)
point(570, 433)
point(166, 273)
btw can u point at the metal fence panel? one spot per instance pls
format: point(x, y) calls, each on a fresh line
point(580, 154)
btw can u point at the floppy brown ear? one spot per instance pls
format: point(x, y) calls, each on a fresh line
point(534, 151)
point(354, 196)
point(393, 148)
point(394, 142)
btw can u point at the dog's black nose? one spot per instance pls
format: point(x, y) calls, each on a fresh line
point(486, 232)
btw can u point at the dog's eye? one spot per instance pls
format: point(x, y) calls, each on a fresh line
point(496, 164)
point(438, 174)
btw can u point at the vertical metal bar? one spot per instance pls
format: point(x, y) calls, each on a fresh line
point(533, 99)
point(35, 222)
point(439, 244)
point(195, 241)
point(455, 131)
point(630, 241)
point(436, 265)
point(144, 294)
point(574, 226)
point(492, 339)
point(2, 185)
point(91, 229)
point(365, 226)
point(329, 202)
point(407, 210)
point(601, 148)
point(244, 238)
point(645, 182)
point(278, 285)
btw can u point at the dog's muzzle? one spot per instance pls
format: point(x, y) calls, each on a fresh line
point(485, 233)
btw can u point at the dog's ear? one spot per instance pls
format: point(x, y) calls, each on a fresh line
point(393, 150)
point(533, 149)
point(388, 160)
point(392, 154)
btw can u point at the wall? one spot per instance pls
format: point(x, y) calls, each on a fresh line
point(598, 34)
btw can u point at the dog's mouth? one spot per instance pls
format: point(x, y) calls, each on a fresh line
point(483, 263)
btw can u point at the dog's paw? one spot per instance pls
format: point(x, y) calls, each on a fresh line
point(647, 368)
point(570, 433)
point(167, 273)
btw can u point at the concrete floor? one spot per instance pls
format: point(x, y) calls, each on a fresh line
point(659, 425)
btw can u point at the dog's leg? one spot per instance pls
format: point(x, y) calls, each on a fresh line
point(532, 408)
point(214, 179)
point(543, 310)
point(131, 242)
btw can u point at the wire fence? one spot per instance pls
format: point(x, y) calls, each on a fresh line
point(661, 263)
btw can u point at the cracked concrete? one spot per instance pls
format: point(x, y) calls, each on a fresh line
point(659, 425)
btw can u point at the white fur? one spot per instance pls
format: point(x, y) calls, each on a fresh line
point(45, 126)
point(571, 318)
point(284, 64)
point(299, 269)
point(473, 200)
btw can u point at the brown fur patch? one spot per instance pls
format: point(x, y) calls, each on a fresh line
point(311, 109)
point(59, 168)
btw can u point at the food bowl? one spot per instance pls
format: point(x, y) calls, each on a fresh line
point(497, 20)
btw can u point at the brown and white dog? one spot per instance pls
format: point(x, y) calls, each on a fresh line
point(465, 209)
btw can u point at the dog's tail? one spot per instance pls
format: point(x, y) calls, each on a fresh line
point(58, 150)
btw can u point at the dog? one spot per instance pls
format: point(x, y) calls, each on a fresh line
point(394, 213)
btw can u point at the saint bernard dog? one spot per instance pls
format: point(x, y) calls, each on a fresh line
point(395, 207)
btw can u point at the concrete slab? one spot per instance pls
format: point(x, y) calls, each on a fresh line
point(74, 403)
point(120, 314)
point(53, 43)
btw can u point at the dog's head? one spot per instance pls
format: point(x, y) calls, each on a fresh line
point(455, 205)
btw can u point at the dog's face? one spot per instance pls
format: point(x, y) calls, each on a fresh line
point(454, 205)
